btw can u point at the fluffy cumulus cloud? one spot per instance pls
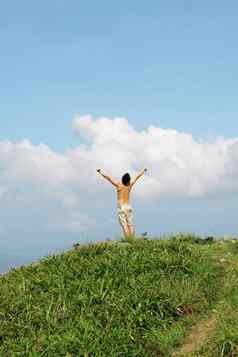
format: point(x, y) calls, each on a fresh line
point(178, 164)
point(46, 191)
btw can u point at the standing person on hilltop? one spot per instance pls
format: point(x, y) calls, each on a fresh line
point(125, 213)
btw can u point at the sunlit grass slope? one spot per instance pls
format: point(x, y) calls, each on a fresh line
point(108, 299)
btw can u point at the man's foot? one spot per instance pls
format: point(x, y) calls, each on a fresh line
point(129, 239)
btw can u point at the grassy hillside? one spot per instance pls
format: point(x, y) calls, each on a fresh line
point(137, 299)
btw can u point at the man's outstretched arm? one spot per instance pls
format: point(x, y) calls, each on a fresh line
point(108, 178)
point(138, 176)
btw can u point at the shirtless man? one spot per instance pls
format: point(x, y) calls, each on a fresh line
point(125, 213)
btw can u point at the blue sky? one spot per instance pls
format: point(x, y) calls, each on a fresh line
point(167, 64)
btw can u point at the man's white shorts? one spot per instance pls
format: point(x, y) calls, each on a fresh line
point(125, 215)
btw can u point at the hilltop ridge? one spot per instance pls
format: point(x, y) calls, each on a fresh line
point(138, 299)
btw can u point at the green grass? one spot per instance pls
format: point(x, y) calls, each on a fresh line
point(122, 299)
point(224, 341)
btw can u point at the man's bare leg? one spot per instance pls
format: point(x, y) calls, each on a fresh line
point(131, 232)
point(128, 228)
point(126, 232)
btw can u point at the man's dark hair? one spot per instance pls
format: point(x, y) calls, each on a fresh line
point(126, 179)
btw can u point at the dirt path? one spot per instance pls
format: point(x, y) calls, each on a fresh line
point(202, 330)
point(197, 336)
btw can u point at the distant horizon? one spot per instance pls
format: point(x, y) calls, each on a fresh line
point(12, 261)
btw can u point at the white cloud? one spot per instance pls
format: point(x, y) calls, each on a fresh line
point(43, 190)
point(177, 163)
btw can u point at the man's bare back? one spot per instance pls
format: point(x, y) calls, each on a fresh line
point(123, 193)
point(123, 188)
